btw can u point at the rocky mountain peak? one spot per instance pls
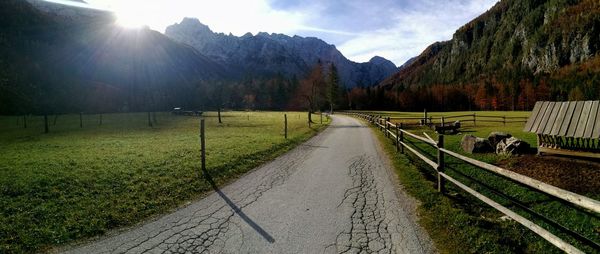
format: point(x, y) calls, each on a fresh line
point(192, 25)
point(266, 54)
point(382, 61)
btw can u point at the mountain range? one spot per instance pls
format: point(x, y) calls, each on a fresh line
point(56, 58)
point(266, 54)
point(59, 59)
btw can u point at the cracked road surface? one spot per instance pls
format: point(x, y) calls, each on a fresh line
point(336, 193)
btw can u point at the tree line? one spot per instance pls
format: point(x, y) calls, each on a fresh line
point(486, 94)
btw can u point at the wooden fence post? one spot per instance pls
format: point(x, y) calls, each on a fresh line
point(387, 129)
point(80, 119)
point(397, 138)
point(219, 114)
point(321, 116)
point(202, 146)
point(46, 123)
point(474, 120)
point(401, 139)
point(149, 119)
point(285, 123)
point(440, 167)
point(443, 123)
point(425, 116)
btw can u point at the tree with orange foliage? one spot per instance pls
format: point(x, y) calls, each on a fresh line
point(527, 98)
point(501, 97)
point(481, 97)
point(470, 91)
point(311, 89)
point(357, 98)
point(543, 91)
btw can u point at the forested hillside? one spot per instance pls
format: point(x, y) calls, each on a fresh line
point(518, 52)
point(53, 65)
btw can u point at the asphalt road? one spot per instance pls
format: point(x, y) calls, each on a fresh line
point(334, 194)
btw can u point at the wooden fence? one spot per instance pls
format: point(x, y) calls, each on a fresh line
point(399, 135)
point(473, 118)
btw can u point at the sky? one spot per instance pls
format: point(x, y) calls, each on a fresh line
point(360, 29)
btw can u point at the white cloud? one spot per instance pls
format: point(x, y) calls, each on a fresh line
point(413, 31)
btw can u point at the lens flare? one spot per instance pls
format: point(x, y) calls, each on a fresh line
point(131, 14)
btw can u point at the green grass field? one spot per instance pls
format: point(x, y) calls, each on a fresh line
point(75, 183)
point(459, 223)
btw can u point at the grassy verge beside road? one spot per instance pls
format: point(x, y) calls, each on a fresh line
point(459, 223)
point(75, 183)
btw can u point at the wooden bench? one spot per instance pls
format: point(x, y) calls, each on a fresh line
point(569, 128)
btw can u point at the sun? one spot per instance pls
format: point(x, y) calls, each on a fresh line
point(129, 21)
point(130, 15)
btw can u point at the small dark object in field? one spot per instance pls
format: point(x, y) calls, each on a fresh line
point(496, 137)
point(453, 128)
point(512, 145)
point(472, 144)
point(177, 111)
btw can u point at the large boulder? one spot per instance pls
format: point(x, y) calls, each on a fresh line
point(512, 145)
point(496, 137)
point(472, 144)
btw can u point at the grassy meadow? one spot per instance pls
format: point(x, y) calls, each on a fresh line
point(74, 183)
point(460, 223)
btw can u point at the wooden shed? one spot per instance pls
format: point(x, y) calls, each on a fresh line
point(566, 128)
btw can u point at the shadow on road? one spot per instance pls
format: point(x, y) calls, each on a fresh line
point(238, 210)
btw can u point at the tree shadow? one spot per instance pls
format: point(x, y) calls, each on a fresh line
point(238, 210)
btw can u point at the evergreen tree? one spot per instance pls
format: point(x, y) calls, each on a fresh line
point(333, 87)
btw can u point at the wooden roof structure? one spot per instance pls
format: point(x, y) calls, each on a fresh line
point(569, 119)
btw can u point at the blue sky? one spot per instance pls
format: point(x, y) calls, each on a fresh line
point(360, 29)
point(397, 30)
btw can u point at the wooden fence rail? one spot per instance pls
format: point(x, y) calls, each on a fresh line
point(470, 118)
point(397, 134)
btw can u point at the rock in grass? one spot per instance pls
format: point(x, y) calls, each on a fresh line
point(496, 137)
point(512, 146)
point(472, 144)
